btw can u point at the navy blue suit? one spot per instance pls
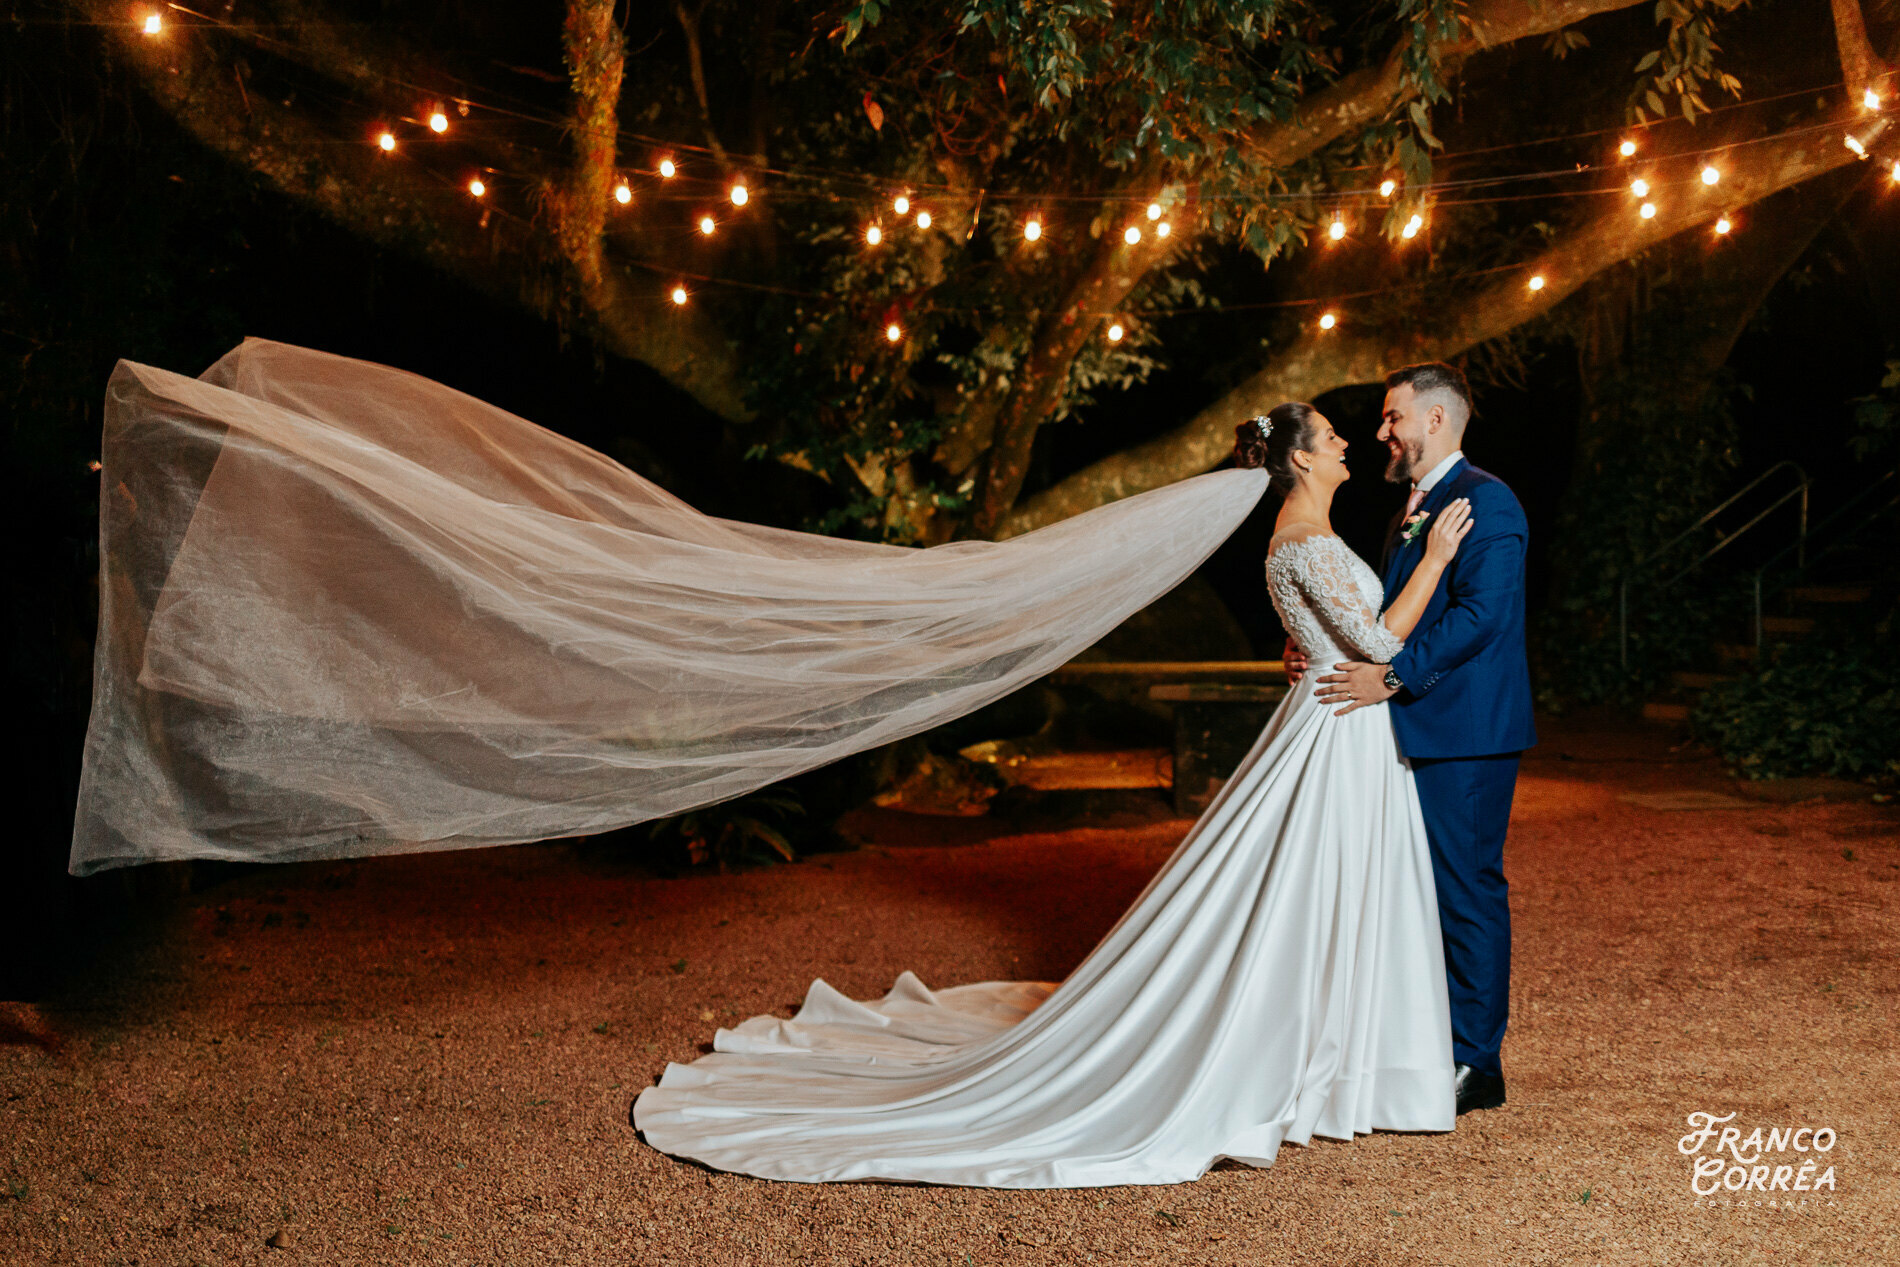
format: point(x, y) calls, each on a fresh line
point(1461, 721)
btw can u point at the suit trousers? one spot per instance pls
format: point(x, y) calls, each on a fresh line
point(1467, 807)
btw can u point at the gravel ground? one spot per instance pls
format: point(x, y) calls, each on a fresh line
point(430, 1059)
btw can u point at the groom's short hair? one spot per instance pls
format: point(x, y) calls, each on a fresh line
point(1435, 378)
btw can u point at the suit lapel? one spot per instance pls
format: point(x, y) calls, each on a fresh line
point(1402, 558)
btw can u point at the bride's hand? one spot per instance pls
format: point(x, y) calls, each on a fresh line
point(1449, 527)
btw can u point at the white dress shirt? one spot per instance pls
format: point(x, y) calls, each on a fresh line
point(1438, 472)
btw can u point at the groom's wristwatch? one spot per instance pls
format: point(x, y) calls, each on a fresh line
point(1392, 682)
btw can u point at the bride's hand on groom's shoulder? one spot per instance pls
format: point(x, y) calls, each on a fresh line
point(1449, 527)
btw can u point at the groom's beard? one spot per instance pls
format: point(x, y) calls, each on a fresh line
point(1403, 468)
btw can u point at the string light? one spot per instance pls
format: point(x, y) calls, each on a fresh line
point(667, 170)
point(1870, 99)
point(1386, 187)
point(1647, 211)
point(740, 195)
point(1327, 321)
point(923, 219)
point(1710, 176)
point(1626, 149)
point(1033, 230)
point(1154, 211)
point(901, 205)
point(1896, 171)
point(1132, 236)
point(1115, 332)
point(623, 193)
point(707, 225)
point(387, 142)
point(874, 235)
point(154, 25)
point(1722, 226)
point(438, 122)
point(893, 332)
point(476, 187)
point(1640, 188)
point(1337, 229)
point(1537, 282)
point(1412, 227)
point(1163, 229)
point(1853, 143)
point(678, 296)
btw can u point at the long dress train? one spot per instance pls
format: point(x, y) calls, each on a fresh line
point(1282, 976)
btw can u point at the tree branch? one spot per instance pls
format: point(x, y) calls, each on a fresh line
point(1861, 69)
point(1318, 362)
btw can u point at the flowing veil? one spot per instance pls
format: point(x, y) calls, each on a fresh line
point(346, 610)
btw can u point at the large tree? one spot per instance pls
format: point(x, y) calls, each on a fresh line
point(917, 374)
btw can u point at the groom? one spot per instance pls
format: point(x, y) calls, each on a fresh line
point(1461, 700)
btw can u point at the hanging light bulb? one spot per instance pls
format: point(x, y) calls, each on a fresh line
point(1115, 332)
point(476, 187)
point(874, 235)
point(1870, 99)
point(1710, 175)
point(740, 195)
point(1163, 229)
point(387, 142)
point(1327, 321)
point(1647, 211)
point(901, 205)
point(1412, 227)
point(1896, 171)
point(1537, 282)
point(623, 193)
point(438, 122)
point(1640, 188)
point(1337, 229)
point(923, 219)
point(893, 332)
point(1854, 144)
point(153, 24)
point(1154, 211)
point(1386, 187)
point(1723, 225)
point(1033, 230)
point(706, 225)
point(1626, 149)
point(667, 170)
point(679, 295)
point(1132, 236)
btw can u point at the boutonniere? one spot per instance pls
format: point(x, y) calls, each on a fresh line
point(1413, 526)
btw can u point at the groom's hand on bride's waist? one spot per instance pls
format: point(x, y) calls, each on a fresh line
point(1294, 661)
point(1355, 685)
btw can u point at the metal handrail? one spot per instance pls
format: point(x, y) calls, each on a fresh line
point(1801, 536)
point(1839, 514)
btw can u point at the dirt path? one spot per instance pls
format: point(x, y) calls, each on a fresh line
point(430, 1059)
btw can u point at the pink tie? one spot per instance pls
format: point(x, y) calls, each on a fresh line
point(1411, 503)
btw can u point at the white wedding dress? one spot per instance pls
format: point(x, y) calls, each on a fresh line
point(1282, 976)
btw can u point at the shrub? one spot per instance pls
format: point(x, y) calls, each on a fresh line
point(1822, 706)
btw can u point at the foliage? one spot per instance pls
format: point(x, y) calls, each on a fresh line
point(1877, 418)
point(748, 830)
point(1684, 63)
point(1618, 511)
point(1826, 706)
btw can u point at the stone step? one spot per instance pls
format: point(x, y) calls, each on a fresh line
point(1700, 681)
point(1656, 710)
point(1829, 593)
point(1787, 625)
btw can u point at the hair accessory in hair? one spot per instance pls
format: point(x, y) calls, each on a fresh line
point(1264, 425)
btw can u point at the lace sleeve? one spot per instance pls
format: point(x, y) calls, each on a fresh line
point(1336, 584)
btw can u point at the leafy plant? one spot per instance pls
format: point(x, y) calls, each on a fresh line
point(1778, 721)
point(750, 829)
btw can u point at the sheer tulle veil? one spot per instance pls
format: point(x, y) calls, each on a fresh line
point(346, 610)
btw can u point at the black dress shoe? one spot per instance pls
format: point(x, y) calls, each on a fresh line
point(1477, 1090)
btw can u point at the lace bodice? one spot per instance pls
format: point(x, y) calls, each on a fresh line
point(1328, 599)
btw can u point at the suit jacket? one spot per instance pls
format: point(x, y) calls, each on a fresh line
point(1467, 679)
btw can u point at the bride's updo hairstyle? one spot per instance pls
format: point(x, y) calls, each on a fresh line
point(1272, 439)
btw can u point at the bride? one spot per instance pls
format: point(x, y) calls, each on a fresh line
point(1282, 975)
